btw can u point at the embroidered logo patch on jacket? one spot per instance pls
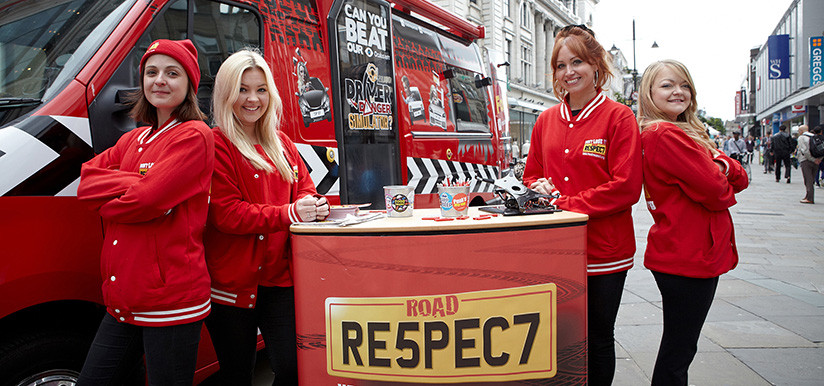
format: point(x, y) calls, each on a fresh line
point(144, 168)
point(596, 148)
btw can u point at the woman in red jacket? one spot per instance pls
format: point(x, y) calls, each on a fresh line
point(587, 150)
point(689, 185)
point(259, 188)
point(152, 191)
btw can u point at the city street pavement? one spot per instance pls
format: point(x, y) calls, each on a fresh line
point(766, 326)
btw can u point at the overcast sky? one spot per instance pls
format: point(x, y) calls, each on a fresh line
point(712, 38)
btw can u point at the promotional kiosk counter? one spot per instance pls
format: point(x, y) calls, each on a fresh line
point(414, 300)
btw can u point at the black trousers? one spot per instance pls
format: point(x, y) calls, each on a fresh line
point(603, 298)
point(787, 166)
point(234, 336)
point(686, 304)
point(171, 353)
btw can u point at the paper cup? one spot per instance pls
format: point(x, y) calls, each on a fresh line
point(400, 200)
point(454, 200)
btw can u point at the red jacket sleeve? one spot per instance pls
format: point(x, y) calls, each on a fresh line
point(229, 211)
point(184, 171)
point(100, 179)
point(736, 175)
point(676, 159)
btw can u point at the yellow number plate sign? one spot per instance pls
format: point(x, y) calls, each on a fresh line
point(484, 336)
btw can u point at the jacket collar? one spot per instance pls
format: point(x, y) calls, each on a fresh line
point(171, 123)
point(566, 113)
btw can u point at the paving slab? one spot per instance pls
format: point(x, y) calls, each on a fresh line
point(777, 305)
point(639, 314)
point(723, 311)
point(809, 327)
point(722, 368)
point(735, 287)
point(785, 366)
point(628, 373)
point(742, 334)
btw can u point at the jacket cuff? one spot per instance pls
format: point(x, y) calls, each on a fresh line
point(725, 162)
point(293, 214)
point(555, 196)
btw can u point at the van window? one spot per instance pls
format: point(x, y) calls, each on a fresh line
point(469, 101)
point(218, 29)
point(43, 45)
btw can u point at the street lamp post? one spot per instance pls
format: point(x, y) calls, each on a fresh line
point(633, 96)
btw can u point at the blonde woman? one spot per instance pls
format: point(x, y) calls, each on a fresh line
point(587, 150)
point(689, 186)
point(259, 188)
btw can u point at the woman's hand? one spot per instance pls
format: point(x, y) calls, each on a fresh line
point(306, 208)
point(322, 208)
point(543, 186)
point(311, 208)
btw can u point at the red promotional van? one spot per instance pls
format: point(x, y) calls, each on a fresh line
point(399, 97)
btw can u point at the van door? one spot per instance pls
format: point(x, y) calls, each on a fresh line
point(364, 92)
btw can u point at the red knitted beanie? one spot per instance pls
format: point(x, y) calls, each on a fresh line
point(181, 50)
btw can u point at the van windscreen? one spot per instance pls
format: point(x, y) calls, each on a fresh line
point(44, 44)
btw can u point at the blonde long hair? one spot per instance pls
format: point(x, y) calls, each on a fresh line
point(227, 90)
point(649, 114)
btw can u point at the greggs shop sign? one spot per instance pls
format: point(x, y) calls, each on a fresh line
point(484, 336)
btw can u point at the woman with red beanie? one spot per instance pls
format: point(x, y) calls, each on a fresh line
point(587, 151)
point(260, 187)
point(689, 186)
point(152, 192)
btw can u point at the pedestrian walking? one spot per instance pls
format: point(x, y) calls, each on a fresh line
point(152, 191)
point(769, 155)
point(587, 150)
point(819, 175)
point(809, 164)
point(735, 147)
point(692, 241)
point(260, 187)
point(782, 149)
point(751, 146)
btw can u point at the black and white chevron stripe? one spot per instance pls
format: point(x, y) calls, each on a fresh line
point(41, 156)
point(425, 173)
point(324, 173)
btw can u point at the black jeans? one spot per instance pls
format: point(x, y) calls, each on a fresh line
point(171, 353)
point(778, 161)
point(603, 298)
point(686, 304)
point(234, 335)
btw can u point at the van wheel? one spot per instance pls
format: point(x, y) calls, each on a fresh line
point(44, 358)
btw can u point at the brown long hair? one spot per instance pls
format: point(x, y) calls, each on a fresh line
point(649, 114)
point(580, 40)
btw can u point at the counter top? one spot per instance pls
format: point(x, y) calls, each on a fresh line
point(417, 224)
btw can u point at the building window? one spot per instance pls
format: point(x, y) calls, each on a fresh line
point(526, 64)
point(507, 7)
point(525, 15)
point(508, 53)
